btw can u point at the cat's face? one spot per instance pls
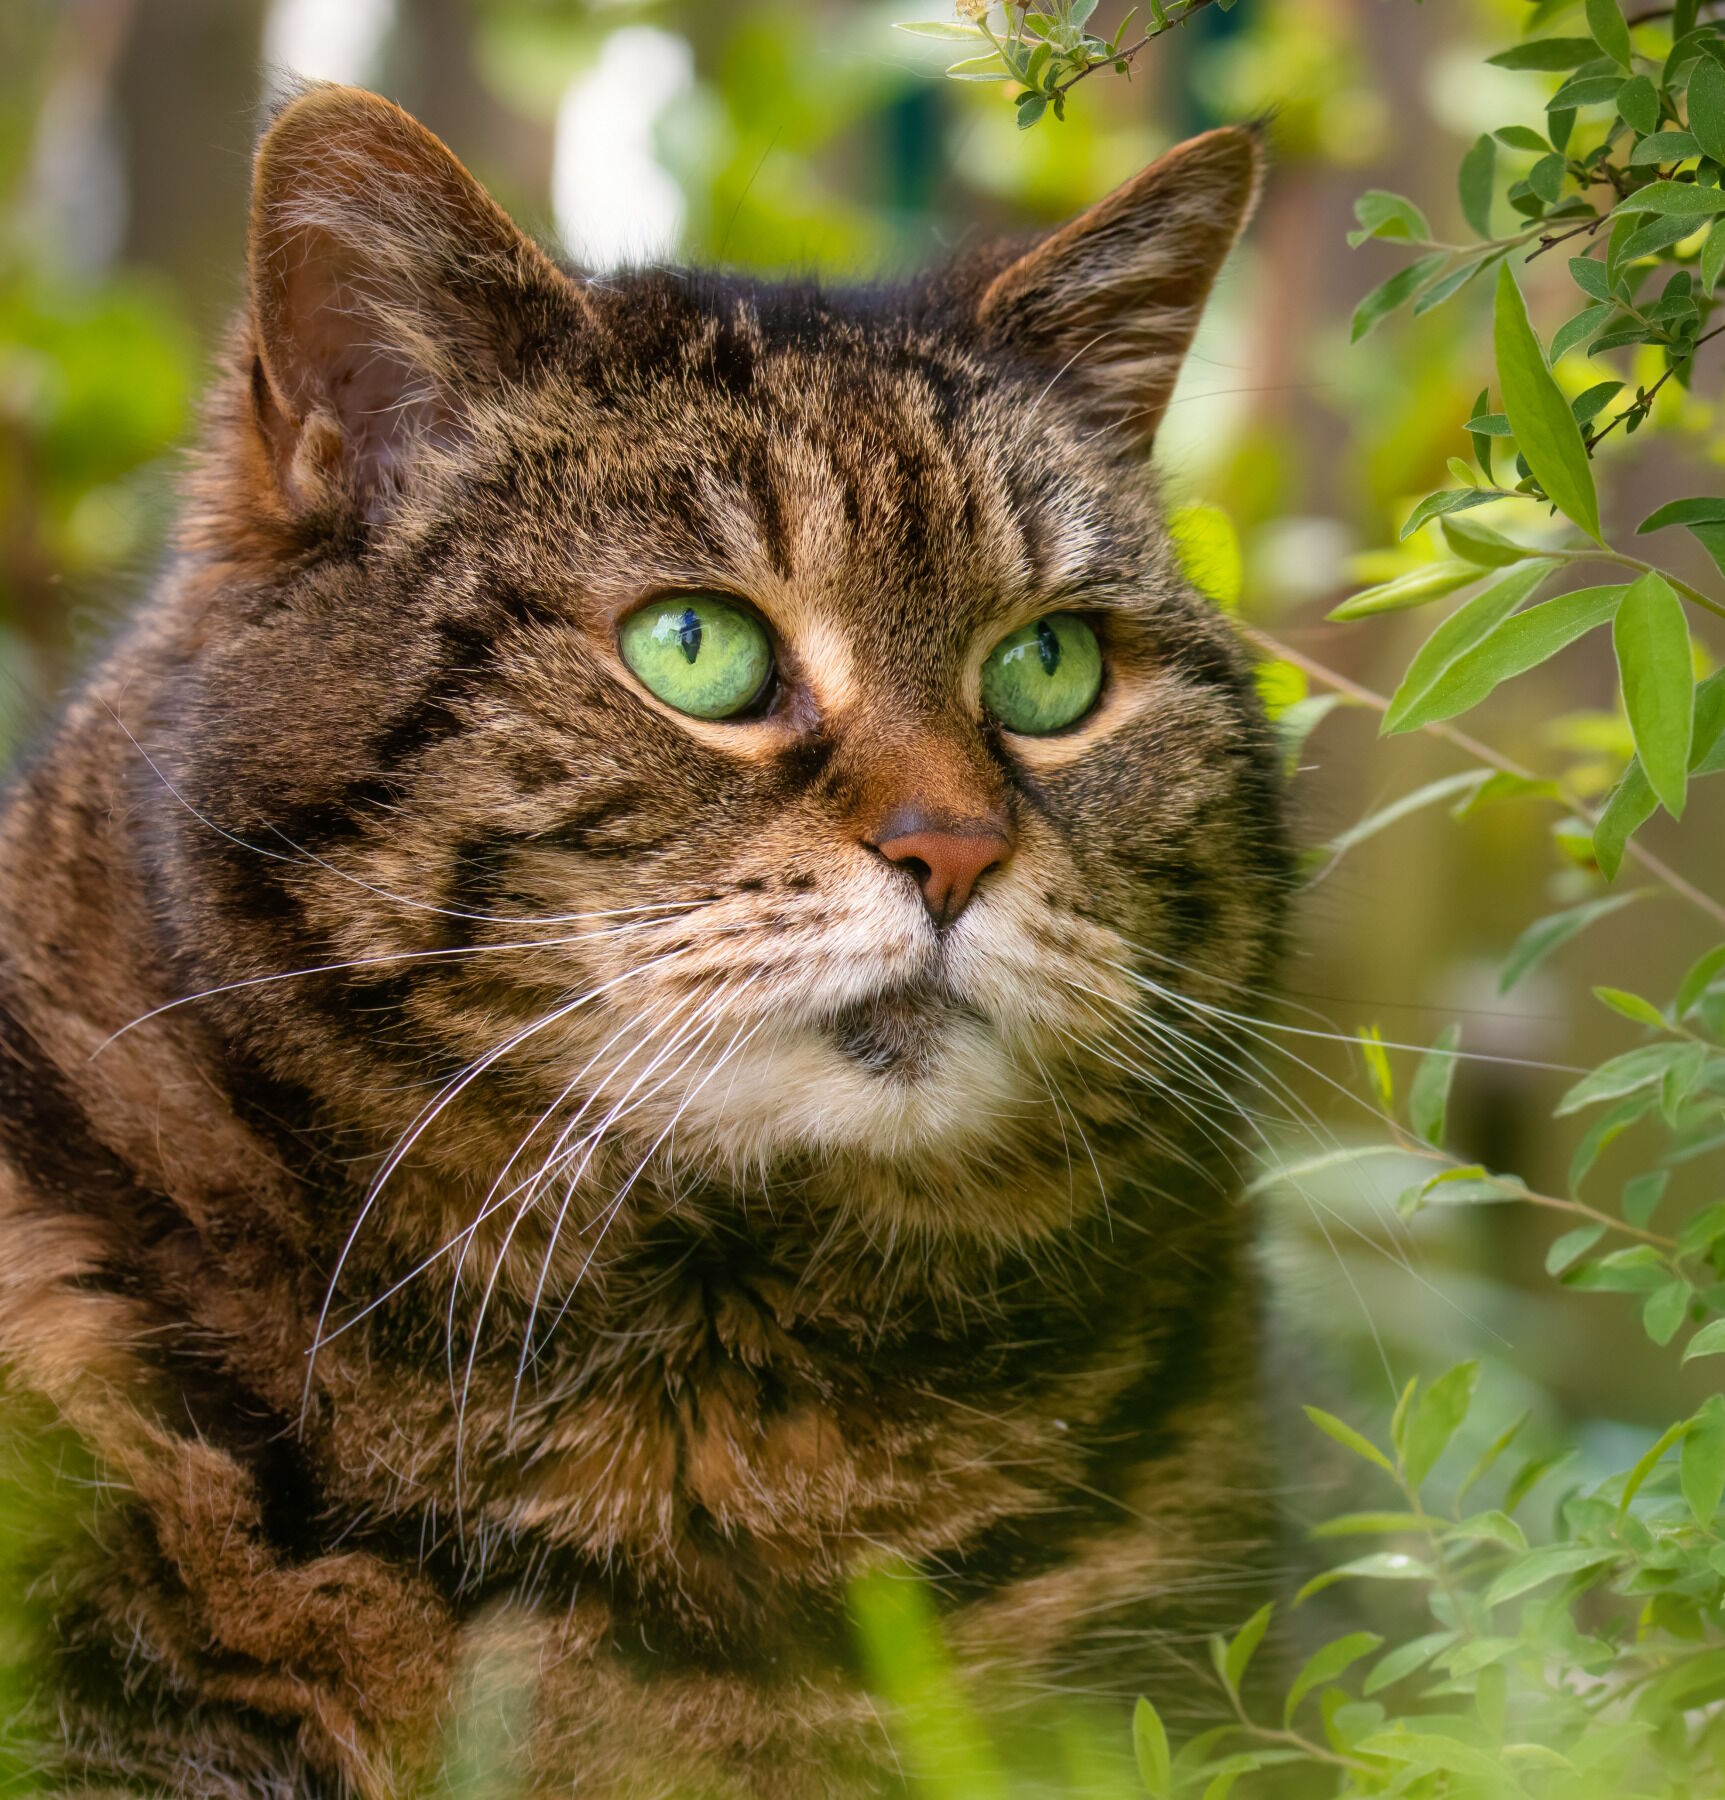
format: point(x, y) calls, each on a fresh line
point(760, 723)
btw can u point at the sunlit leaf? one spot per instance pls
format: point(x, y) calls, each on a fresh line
point(1150, 1746)
point(1541, 1566)
point(1326, 1664)
point(1509, 647)
point(1478, 169)
point(1545, 429)
point(1651, 637)
point(1707, 107)
point(1428, 1097)
point(1571, 1245)
point(1605, 21)
point(1436, 1419)
point(1345, 1435)
point(1701, 1464)
point(1542, 937)
point(1396, 291)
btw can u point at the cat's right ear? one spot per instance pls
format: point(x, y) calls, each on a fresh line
point(388, 292)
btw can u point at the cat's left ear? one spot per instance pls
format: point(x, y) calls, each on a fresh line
point(389, 294)
point(1108, 303)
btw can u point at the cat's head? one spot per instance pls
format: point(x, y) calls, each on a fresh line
point(765, 721)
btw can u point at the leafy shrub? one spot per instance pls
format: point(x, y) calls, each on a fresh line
point(1589, 1659)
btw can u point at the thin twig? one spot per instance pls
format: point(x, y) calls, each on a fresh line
point(1126, 55)
point(1495, 759)
point(1644, 401)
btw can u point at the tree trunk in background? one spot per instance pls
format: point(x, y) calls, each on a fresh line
point(430, 69)
point(187, 91)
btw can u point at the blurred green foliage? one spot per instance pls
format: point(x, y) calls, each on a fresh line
point(816, 139)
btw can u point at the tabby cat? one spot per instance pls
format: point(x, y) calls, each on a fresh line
point(615, 1011)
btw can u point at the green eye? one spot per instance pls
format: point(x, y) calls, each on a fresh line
point(698, 653)
point(1044, 675)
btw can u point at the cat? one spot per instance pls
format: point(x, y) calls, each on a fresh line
point(615, 1014)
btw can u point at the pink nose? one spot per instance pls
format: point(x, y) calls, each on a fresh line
point(945, 862)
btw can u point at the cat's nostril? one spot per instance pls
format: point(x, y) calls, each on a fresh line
point(945, 863)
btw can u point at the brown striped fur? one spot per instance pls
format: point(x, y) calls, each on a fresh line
point(899, 1244)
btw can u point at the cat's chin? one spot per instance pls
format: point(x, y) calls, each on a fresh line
point(904, 1071)
point(898, 1035)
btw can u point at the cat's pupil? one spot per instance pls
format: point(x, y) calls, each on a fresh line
point(689, 634)
point(1047, 646)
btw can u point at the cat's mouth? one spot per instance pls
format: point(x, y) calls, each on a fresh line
point(899, 1030)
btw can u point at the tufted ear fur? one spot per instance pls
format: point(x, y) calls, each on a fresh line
point(387, 290)
point(1109, 302)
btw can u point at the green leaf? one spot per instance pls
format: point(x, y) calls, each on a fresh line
point(1578, 330)
point(1481, 442)
point(1542, 937)
point(1605, 1130)
point(1398, 1419)
point(1150, 1746)
point(1246, 1641)
point(1581, 90)
point(1631, 1006)
point(1348, 1438)
point(1326, 1664)
point(1377, 1066)
point(1396, 291)
point(1429, 581)
point(1708, 1341)
point(1701, 1467)
point(1428, 1097)
point(1703, 1230)
point(1651, 637)
point(1642, 1194)
point(1475, 183)
point(1540, 1566)
point(1703, 972)
point(1405, 1659)
point(1031, 107)
point(1707, 107)
point(940, 28)
point(1545, 428)
point(1547, 54)
point(1546, 177)
point(1630, 805)
point(1436, 1419)
point(1664, 1311)
point(1382, 214)
point(1678, 199)
point(1705, 509)
point(1448, 787)
point(1573, 1244)
point(1589, 276)
point(1383, 1565)
point(1610, 33)
point(978, 68)
point(1659, 233)
point(1638, 104)
point(1454, 282)
point(1593, 401)
point(1480, 544)
point(1508, 646)
point(1712, 260)
point(1623, 1075)
point(1447, 500)
point(1648, 1461)
point(1367, 1524)
point(1663, 147)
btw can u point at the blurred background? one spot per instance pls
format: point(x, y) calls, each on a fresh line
point(809, 136)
